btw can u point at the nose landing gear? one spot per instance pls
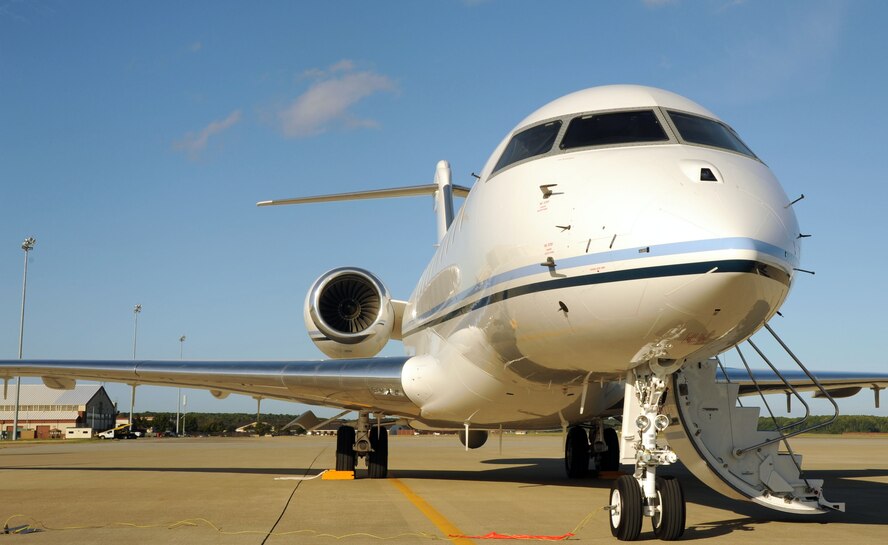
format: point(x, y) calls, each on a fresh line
point(644, 494)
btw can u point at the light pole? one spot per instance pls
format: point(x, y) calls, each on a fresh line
point(27, 246)
point(184, 410)
point(179, 390)
point(136, 311)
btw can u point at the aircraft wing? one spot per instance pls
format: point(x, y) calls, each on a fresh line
point(837, 383)
point(357, 384)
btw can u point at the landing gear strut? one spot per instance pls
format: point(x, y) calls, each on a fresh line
point(363, 441)
point(644, 494)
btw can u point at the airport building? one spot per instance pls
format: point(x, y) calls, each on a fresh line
point(45, 413)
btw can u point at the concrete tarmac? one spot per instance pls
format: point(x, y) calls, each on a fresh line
point(224, 490)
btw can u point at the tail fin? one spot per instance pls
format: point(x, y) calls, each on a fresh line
point(442, 189)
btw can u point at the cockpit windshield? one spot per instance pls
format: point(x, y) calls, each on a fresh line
point(699, 130)
point(529, 143)
point(613, 128)
point(617, 129)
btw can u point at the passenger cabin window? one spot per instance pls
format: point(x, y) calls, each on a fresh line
point(529, 143)
point(613, 128)
point(699, 130)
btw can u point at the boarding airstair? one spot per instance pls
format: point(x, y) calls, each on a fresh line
point(718, 439)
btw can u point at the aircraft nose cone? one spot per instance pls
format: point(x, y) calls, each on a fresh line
point(717, 310)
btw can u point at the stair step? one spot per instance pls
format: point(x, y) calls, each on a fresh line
point(713, 427)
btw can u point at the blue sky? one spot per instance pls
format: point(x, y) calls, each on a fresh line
point(135, 140)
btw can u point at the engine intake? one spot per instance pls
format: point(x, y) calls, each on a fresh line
point(352, 312)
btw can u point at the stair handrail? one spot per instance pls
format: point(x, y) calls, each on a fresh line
point(816, 382)
point(749, 372)
point(785, 383)
point(784, 436)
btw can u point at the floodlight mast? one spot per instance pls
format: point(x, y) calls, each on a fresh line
point(136, 310)
point(179, 390)
point(27, 246)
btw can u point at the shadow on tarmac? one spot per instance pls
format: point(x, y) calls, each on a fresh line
point(864, 498)
point(864, 501)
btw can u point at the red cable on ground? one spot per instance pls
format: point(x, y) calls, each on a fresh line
point(494, 535)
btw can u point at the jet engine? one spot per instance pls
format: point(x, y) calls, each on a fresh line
point(349, 313)
point(475, 439)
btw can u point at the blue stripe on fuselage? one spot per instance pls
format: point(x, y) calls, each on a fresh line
point(662, 250)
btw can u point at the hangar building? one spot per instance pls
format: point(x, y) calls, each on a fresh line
point(50, 412)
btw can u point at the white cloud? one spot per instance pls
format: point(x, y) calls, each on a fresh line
point(194, 143)
point(16, 10)
point(7, 11)
point(344, 65)
point(328, 101)
point(195, 47)
point(722, 6)
point(725, 4)
point(658, 3)
point(795, 54)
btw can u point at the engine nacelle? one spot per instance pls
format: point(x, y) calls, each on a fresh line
point(475, 439)
point(349, 313)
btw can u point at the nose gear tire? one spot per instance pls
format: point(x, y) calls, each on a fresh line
point(626, 509)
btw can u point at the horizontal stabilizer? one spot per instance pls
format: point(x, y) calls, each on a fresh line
point(310, 422)
point(410, 191)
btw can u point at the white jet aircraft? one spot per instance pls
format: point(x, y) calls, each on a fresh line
point(617, 241)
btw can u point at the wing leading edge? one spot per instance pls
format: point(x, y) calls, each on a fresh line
point(837, 383)
point(358, 384)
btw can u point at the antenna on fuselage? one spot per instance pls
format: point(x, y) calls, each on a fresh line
point(443, 191)
point(795, 201)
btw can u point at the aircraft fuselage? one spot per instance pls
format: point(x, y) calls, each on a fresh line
point(597, 260)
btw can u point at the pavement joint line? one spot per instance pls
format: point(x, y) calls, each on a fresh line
point(439, 520)
point(293, 493)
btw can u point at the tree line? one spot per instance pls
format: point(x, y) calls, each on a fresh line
point(212, 423)
point(843, 424)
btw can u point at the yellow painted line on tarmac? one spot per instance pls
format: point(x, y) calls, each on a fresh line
point(439, 520)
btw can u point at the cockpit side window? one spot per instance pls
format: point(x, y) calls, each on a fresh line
point(694, 129)
point(529, 143)
point(607, 129)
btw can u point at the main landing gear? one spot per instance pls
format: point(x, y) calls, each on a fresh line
point(363, 441)
point(644, 494)
point(599, 445)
